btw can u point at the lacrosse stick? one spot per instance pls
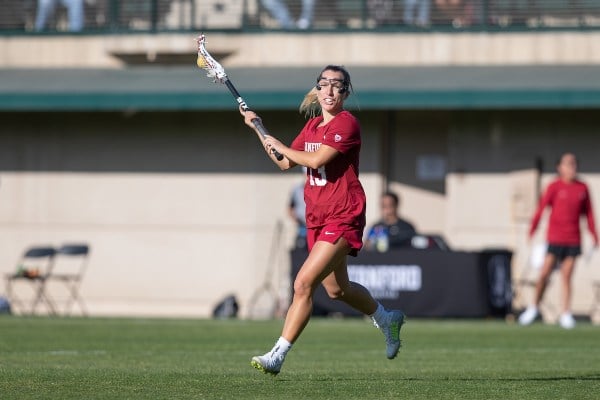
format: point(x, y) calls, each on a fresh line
point(587, 256)
point(217, 72)
point(265, 300)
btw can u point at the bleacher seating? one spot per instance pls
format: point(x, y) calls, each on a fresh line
point(193, 15)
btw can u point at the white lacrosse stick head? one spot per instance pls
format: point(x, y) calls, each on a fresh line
point(206, 62)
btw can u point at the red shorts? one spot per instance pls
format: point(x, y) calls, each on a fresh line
point(331, 234)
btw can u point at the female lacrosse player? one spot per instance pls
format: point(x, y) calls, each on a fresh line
point(569, 199)
point(329, 146)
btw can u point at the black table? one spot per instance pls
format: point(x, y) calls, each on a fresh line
point(426, 283)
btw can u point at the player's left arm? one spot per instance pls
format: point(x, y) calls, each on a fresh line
point(543, 203)
point(590, 217)
point(314, 160)
point(343, 135)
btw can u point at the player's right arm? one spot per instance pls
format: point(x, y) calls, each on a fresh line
point(544, 202)
point(284, 163)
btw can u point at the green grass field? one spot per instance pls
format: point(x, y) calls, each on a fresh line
point(95, 358)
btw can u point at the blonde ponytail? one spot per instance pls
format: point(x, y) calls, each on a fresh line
point(310, 105)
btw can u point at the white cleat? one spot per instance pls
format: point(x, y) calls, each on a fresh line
point(268, 363)
point(528, 316)
point(567, 321)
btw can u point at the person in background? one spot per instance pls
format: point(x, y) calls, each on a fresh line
point(416, 12)
point(391, 232)
point(461, 13)
point(569, 199)
point(297, 212)
point(329, 146)
point(46, 8)
point(279, 10)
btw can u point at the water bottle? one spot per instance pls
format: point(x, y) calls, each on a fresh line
point(382, 242)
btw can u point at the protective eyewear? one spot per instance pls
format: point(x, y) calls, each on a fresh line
point(337, 84)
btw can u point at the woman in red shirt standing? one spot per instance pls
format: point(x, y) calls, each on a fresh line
point(569, 198)
point(329, 146)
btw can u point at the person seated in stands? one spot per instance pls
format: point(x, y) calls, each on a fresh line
point(46, 8)
point(391, 232)
point(416, 12)
point(459, 12)
point(280, 11)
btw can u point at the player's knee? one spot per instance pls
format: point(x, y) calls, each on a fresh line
point(302, 288)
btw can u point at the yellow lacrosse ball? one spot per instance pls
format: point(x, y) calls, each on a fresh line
point(201, 62)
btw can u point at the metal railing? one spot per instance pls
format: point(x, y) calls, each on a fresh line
point(107, 16)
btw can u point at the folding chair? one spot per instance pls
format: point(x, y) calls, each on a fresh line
point(70, 265)
point(33, 267)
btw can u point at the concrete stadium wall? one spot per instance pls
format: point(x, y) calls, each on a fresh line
point(182, 209)
point(178, 213)
point(492, 159)
point(309, 49)
point(489, 192)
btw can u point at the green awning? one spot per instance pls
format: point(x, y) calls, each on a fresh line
point(187, 88)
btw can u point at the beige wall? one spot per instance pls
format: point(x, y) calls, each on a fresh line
point(178, 213)
point(492, 156)
point(162, 244)
point(182, 209)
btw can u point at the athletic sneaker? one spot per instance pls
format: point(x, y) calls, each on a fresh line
point(567, 321)
point(391, 330)
point(528, 316)
point(268, 363)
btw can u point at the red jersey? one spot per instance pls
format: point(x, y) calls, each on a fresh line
point(333, 193)
point(568, 201)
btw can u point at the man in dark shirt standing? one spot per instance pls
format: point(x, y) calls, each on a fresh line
point(391, 232)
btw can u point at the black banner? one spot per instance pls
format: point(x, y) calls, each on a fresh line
point(426, 283)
